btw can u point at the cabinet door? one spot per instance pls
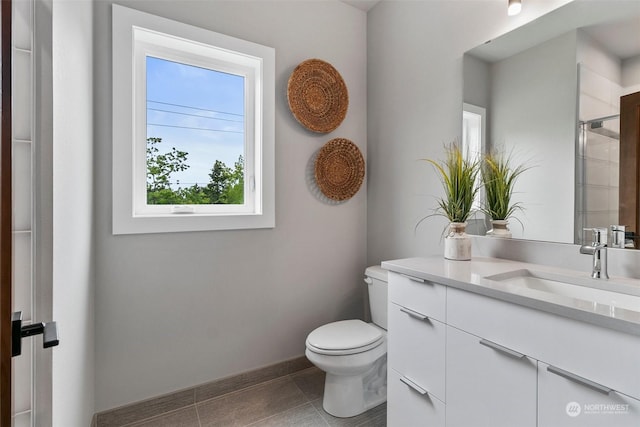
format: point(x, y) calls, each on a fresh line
point(409, 405)
point(488, 385)
point(416, 348)
point(565, 399)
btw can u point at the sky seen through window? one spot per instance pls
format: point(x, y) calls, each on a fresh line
point(196, 110)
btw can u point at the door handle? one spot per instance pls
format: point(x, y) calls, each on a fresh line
point(49, 330)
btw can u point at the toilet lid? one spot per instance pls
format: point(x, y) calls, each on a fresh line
point(344, 335)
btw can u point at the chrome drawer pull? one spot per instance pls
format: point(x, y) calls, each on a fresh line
point(414, 314)
point(501, 349)
point(578, 379)
point(413, 385)
point(413, 279)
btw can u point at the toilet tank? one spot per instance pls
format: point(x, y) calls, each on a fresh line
point(376, 279)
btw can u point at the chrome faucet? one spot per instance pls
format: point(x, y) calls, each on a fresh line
point(618, 236)
point(597, 248)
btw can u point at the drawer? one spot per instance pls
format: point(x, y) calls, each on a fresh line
point(421, 295)
point(409, 406)
point(603, 355)
point(488, 385)
point(416, 348)
point(567, 401)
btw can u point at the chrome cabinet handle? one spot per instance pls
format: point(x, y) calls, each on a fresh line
point(578, 379)
point(414, 314)
point(413, 279)
point(413, 385)
point(501, 349)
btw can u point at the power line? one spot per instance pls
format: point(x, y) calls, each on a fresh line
point(195, 108)
point(195, 115)
point(194, 128)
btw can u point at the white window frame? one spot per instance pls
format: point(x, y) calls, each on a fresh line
point(137, 35)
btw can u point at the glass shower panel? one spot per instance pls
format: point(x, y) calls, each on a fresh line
point(600, 157)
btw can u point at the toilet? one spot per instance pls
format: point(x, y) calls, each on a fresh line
point(353, 354)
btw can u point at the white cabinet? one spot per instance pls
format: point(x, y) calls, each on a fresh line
point(488, 385)
point(603, 355)
point(566, 399)
point(416, 342)
point(460, 359)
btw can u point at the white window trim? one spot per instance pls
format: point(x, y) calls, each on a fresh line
point(147, 43)
point(480, 133)
point(165, 38)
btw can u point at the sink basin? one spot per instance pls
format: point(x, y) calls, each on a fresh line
point(567, 286)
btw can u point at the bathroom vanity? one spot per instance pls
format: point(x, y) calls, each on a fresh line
point(492, 342)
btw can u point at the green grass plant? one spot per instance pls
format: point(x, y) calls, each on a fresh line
point(499, 179)
point(458, 176)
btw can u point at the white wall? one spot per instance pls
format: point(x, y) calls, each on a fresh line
point(476, 82)
point(415, 103)
point(631, 75)
point(598, 58)
point(180, 309)
point(533, 116)
point(73, 254)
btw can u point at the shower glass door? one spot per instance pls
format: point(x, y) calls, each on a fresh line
point(598, 181)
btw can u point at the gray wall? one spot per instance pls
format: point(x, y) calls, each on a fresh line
point(415, 51)
point(73, 383)
point(179, 309)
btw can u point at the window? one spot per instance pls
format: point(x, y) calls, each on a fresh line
point(193, 128)
point(473, 139)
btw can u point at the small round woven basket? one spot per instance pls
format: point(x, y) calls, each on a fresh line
point(339, 169)
point(317, 96)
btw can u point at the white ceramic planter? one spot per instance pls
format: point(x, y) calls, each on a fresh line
point(457, 243)
point(499, 228)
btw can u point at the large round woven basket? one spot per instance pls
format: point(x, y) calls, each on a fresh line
point(339, 169)
point(317, 96)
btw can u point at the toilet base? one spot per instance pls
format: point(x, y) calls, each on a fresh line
point(350, 395)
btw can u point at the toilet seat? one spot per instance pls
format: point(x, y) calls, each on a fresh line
point(344, 337)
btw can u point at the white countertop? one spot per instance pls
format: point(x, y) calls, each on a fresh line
point(471, 276)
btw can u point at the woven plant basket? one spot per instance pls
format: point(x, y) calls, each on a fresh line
point(339, 169)
point(317, 96)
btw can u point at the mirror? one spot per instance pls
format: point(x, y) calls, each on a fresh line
point(535, 85)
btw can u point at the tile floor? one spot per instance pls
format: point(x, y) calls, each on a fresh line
point(292, 400)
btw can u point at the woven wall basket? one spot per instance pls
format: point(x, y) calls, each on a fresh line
point(339, 169)
point(317, 96)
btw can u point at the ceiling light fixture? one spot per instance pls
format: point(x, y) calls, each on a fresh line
point(514, 8)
